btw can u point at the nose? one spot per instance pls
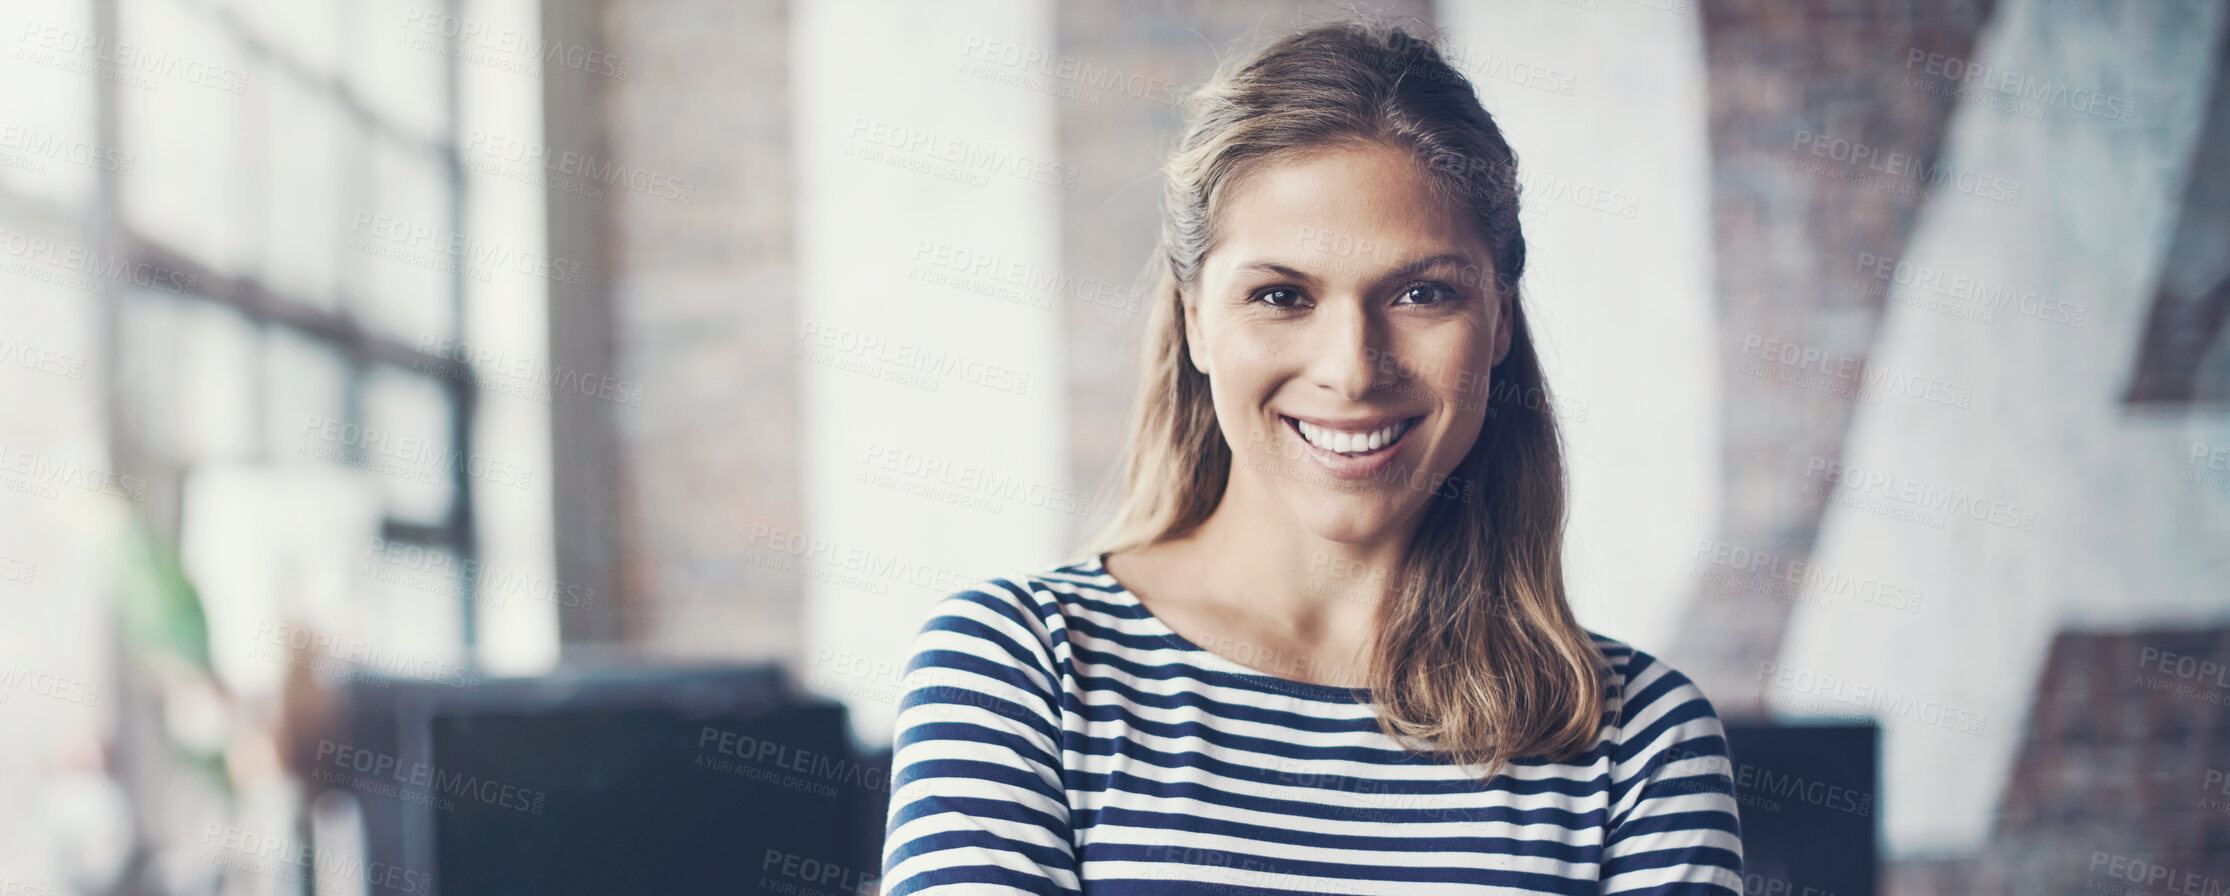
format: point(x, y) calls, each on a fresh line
point(1345, 353)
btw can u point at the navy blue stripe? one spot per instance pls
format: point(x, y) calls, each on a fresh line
point(1709, 856)
point(1245, 863)
point(1633, 743)
point(977, 874)
point(1692, 748)
point(1186, 822)
point(1367, 805)
point(1238, 768)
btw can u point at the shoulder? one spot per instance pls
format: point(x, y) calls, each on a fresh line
point(1001, 599)
point(1025, 615)
point(1654, 707)
point(983, 655)
point(1040, 601)
point(1674, 818)
point(1002, 610)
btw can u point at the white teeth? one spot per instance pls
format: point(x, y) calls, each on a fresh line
point(1347, 442)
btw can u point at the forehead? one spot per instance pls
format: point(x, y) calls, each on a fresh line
point(1360, 206)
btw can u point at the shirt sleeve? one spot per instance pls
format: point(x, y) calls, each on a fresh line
point(978, 803)
point(1674, 826)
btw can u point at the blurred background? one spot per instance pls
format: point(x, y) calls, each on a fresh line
point(419, 413)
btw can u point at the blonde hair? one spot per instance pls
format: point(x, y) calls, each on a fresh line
point(1476, 651)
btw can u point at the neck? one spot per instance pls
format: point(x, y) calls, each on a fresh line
point(1279, 568)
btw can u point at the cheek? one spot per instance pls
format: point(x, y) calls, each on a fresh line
point(1245, 363)
point(1471, 394)
point(1455, 368)
point(1248, 361)
point(1247, 349)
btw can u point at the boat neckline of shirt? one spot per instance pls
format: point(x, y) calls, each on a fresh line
point(1097, 568)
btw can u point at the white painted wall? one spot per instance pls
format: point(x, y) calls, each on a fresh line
point(2121, 540)
point(867, 75)
point(509, 315)
point(1605, 108)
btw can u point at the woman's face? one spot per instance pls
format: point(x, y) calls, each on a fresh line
point(1347, 324)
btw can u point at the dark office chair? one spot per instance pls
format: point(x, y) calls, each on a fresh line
point(637, 779)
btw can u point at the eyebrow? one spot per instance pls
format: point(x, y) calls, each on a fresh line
point(1406, 269)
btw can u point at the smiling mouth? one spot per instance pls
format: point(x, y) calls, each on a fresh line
point(1352, 444)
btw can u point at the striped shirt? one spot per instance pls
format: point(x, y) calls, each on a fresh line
point(1056, 737)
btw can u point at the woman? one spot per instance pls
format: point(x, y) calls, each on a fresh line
point(1325, 647)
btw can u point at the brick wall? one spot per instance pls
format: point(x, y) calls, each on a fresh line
point(695, 245)
point(2124, 769)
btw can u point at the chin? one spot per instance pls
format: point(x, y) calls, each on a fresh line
point(1348, 519)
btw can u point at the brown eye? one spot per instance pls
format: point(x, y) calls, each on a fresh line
point(1266, 297)
point(1427, 294)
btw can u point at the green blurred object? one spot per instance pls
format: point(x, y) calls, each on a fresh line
point(157, 607)
point(164, 630)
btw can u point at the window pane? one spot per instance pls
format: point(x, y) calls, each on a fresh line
point(395, 62)
point(46, 111)
point(304, 214)
point(403, 247)
point(416, 619)
point(305, 385)
point(405, 439)
point(181, 91)
point(309, 32)
point(187, 378)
